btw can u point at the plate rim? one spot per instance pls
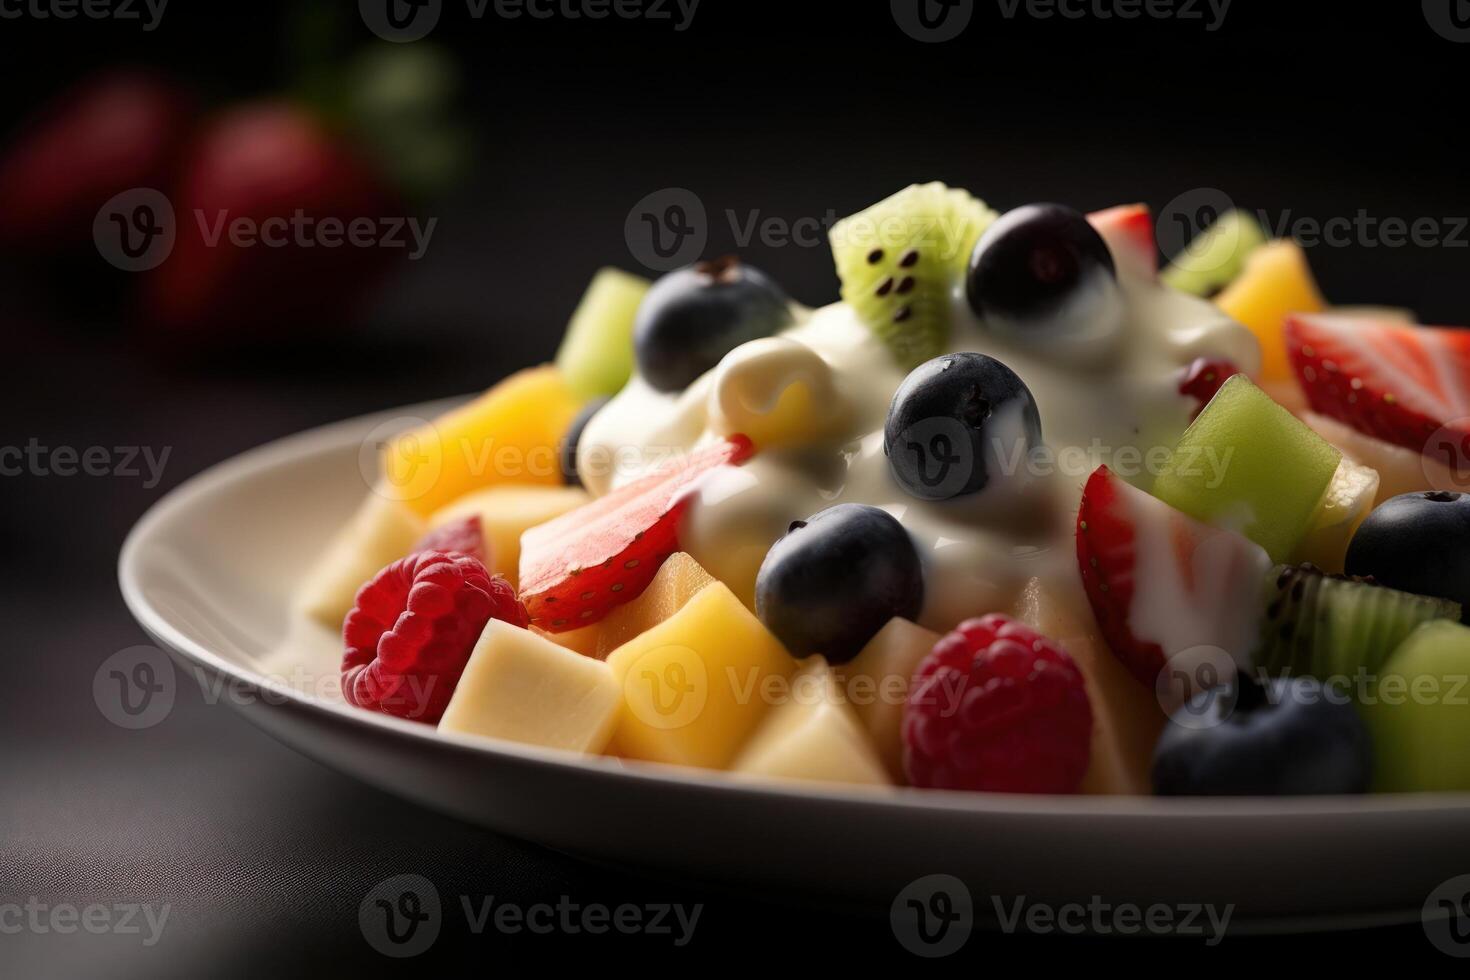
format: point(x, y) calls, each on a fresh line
point(281, 451)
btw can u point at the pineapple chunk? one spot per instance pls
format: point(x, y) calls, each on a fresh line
point(877, 685)
point(696, 685)
point(1277, 280)
point(813, 734)
point(380, 532)
point(524, 688)
point(678, 580)
point(1347, 502)
point(506, 513)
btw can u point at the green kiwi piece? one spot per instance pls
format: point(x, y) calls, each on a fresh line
point(596, 353)
point(902, 260)
point(1215, 256)
point(1329, 626)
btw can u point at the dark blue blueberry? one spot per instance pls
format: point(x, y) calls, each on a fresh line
point(573, 438)
point(1288, 737)
point(835, 579)
point(953, 420)
point(693, 317)
point(1419, 543)
point(1033, 262)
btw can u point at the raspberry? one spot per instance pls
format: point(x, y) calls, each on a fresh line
point(412, 630)
point(464, 536)
point(996, 706)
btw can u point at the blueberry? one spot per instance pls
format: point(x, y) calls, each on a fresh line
point(1419, 543)
point(1043, 272)
point(1289, 737)
point(951, 419)
point(573, 438)
point(694, 316)
point(835, 579)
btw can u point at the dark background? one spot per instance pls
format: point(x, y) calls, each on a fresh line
point(793, 109)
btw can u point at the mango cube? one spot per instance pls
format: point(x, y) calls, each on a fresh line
point(510, 434)
point(1248, 465)
point(505, 513)
point(876, 683)
point(524, 688)
point(813, 734)
point(695, 686)
point(380, 532)
point(678, 580)
point(1277, 280)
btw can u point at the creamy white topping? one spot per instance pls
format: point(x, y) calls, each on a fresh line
point(815, 400)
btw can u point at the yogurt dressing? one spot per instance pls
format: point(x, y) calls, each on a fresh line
point(815, 398)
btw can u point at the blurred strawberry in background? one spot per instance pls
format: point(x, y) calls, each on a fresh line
point(116, 131)
point(273, 170)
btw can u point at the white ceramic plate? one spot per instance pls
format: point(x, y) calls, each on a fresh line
point(208, 572)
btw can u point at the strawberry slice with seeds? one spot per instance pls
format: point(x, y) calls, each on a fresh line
point(1393, 381)
point(1162, 585)
point(1130, 227)
point(575, 568)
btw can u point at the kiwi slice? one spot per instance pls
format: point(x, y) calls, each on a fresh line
point(901, 261)
point(596, 353)
point(1215, 256)
point(1332, 626)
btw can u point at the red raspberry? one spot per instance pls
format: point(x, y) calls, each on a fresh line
point(413, 628)
point(464, 536)
point(996, 706)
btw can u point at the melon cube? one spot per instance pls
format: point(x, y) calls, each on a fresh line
point(510, 434)
point(596, 353)
point(678, 580)
point(695, 686)
point(380, 532)
point(813, 734)
point(1277, 280)
point(1126, 717)
point(1419, 712)
point(876, 682)
point(524, 688)
point(506, 513)
point(1248, 465)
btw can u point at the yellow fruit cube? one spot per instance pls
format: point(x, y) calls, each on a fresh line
point(876, 682)
point(677, 581)
point(510, 434)
point(695, 686)
point(522, 687)
point(1277, 280)
point(1347, 502)
point(812, 734)
point(1126, 717)
point(505, 513)
point(381, 531)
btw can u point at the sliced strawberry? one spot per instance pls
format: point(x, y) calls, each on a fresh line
point(1396, 382)
point(1203, 378)
point(577, 567)
point(1162, 584)
point(1129, 226)
point(464, 536)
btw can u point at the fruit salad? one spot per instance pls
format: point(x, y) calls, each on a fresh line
point(1021, 512)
